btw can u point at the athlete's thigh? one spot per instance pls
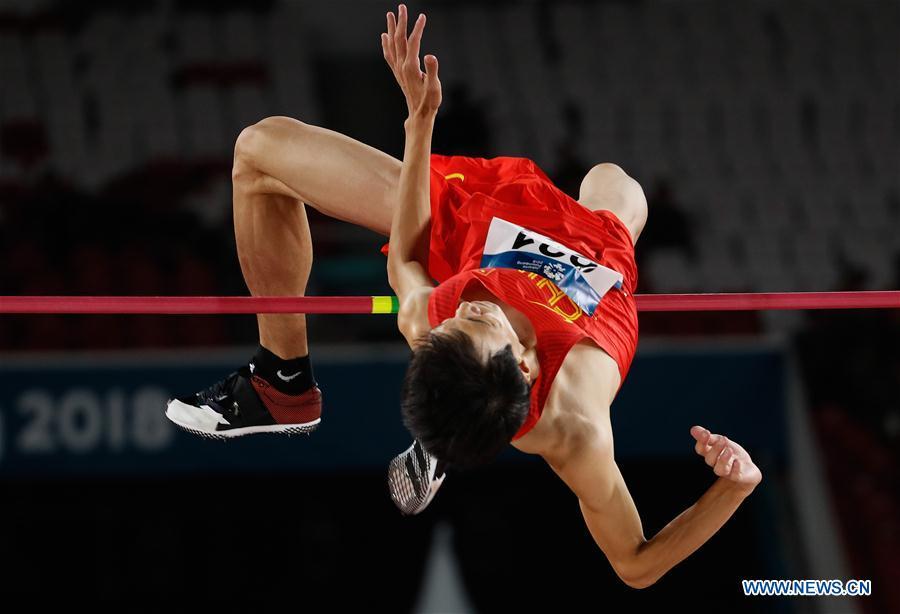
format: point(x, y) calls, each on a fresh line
point(607, 186)
point(337, 175)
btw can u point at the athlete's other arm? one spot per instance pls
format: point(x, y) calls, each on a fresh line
point(588, 467)
point(411, 223)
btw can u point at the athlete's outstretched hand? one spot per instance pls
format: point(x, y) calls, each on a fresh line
point(422, 90)
point(728, 459)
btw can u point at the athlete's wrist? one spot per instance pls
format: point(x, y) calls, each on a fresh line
point(737, 490)
point(419, 119)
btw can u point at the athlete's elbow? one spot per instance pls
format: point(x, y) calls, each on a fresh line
point(639, 582)
point(635, 573)
point(636, 578)
point(395, 284)
point(392, 274)
point(396, 275)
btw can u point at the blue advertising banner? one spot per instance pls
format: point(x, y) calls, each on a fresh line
point(104, 413)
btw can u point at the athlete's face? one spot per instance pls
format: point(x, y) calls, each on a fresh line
point(486, 324)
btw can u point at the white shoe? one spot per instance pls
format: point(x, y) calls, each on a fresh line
point(414, 477)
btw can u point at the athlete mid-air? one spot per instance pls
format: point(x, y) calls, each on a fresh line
point(516, 300)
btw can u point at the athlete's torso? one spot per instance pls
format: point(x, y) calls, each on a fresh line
point(545, 259)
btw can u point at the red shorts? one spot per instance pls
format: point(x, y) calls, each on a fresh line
point(467, 192)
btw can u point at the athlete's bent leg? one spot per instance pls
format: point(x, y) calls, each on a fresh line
point(279, 164)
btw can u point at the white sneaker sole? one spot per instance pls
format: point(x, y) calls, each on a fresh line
point(203, 420)
point(400, 483)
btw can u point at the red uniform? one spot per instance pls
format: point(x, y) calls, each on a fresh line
point(466, 195)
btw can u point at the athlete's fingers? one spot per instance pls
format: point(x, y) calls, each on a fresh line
point(723, 464)
point(400, 34)
point(394, 33)
point(431, 70)
point(732, 459)
point(711, 440)
point(713, 454)
point(415, 40)
point(735, 472)
point(387, 42)
point(701, 435)
point(432, 82)
point(387, 48)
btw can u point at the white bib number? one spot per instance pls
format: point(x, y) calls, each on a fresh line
point(512, 246)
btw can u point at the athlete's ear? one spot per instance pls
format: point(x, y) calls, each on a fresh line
point(526, 371)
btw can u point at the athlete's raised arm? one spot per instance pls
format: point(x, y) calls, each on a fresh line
point(588, 467)
point(412, 216)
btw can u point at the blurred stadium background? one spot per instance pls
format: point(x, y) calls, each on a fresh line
point(766, 136)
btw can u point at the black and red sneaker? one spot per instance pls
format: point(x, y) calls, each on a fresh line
point(244, 404)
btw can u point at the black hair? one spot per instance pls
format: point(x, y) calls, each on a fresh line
point(463, 410)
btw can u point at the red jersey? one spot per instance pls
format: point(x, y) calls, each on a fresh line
point(467, 194)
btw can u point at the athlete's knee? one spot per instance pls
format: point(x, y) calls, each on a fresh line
point(610, 181)
point(607, 171)
point(254, 151)
point(256, 139)
point(277, 126)
point(245, 147)
point(607, 176)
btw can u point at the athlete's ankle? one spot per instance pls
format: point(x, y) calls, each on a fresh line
point(289, 376)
